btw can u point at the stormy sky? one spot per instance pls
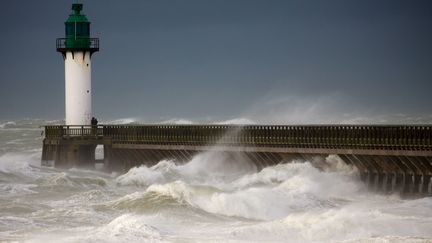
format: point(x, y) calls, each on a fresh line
point(224, 59)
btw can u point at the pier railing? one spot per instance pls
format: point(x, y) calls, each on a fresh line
point(73, 131)
point(401, 137)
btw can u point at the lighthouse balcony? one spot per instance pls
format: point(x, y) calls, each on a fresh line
point(77, 44)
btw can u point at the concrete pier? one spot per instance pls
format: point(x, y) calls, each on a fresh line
point(388, 158)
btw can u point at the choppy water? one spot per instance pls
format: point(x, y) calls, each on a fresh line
point(208, 199)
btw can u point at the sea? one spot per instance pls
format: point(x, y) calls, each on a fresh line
point(208, 199)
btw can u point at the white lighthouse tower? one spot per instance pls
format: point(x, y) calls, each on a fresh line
point(77, 48)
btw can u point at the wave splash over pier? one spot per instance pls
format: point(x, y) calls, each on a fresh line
point(208, 199)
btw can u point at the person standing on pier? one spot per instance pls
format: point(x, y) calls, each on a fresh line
point(94, 123)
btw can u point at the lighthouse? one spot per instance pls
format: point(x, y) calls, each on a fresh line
point(77, 48)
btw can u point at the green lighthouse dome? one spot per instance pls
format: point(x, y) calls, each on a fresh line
point(77, 29)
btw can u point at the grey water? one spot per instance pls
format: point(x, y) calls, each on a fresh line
point(208, 199)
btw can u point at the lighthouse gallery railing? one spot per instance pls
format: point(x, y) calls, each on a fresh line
point(86, 43)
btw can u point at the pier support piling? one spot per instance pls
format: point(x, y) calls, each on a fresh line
point(426, 180)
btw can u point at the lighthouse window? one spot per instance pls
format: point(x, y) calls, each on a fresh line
point(86, 29)
point(82, 29)
point(78, 29)
point(69, 29)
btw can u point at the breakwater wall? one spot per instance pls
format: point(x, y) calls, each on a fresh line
point(388, 157)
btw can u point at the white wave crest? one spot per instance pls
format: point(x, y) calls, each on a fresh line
point(237, 121)
point(7, 124)
point(19, 163)
point(178, 121)
point(14, 189)
point(127, 228)
point(144, 176)
point(123, 121)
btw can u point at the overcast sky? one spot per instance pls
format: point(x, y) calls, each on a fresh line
point(202, 59)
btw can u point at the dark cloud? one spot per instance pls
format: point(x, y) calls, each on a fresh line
point(202, 58)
